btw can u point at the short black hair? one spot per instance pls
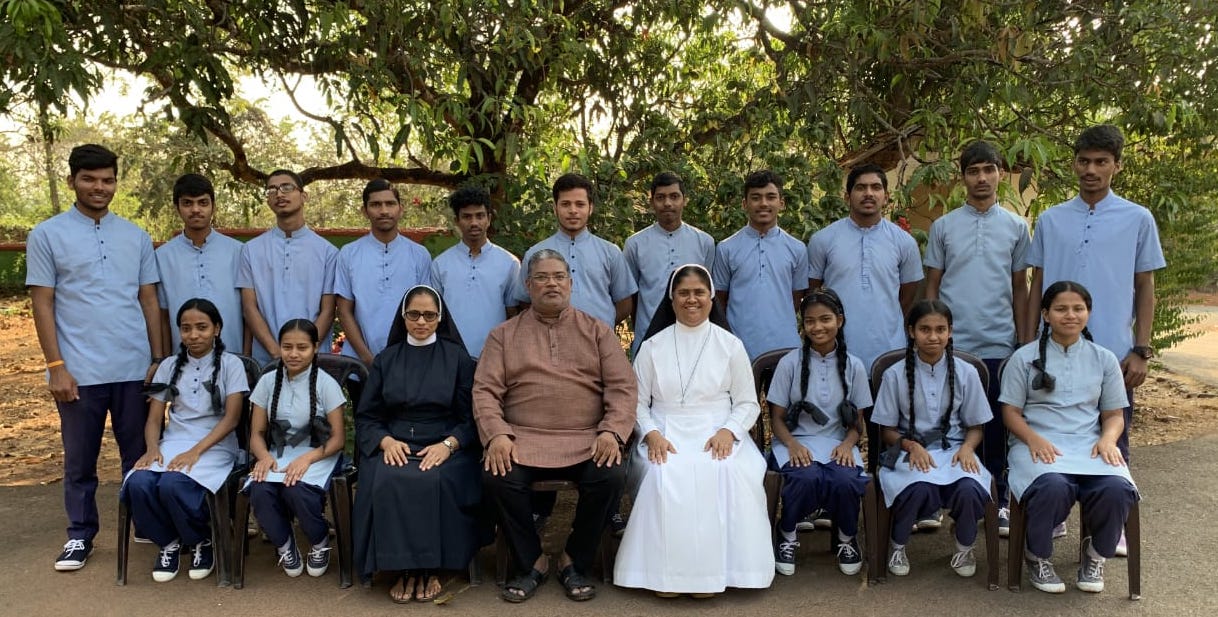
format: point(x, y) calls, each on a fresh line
point(378, 185)
point(980, 152)
point(192, 185)
point(92, 156)
point(1105, 137)
point(571, 181)
point(861, 170)
point(287, 172)
point(469, 196)
point(667, 178)
point(760, 178)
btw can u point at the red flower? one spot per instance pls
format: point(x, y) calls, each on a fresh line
point(903, 223)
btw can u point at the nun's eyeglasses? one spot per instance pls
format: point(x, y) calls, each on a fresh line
point(428, 316)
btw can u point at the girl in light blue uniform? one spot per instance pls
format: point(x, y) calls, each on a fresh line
point(296, 437)
point(1063, 400)
point(930, 462)
point(815, 400)
point(201, 389)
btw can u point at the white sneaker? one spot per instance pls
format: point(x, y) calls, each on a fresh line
point(808, 523)
point(898, 562)
point(965, 562)
point(1004, 522)
point(929, 524)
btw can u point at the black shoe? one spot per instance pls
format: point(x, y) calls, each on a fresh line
point(318, 560)
point(167, 562)
point(74, 554)
point(204, 561)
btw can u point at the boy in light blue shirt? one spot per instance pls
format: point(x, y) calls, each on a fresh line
point(199, 263)
point(871, 263)
point(374, 271)
point(656, 251)
point(475, 276)
point(976, 263)
point(92, 280)
point(760, 272)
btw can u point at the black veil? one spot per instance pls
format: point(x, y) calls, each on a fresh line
point(665, 315)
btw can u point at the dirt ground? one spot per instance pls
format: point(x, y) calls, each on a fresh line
point(1171, 406)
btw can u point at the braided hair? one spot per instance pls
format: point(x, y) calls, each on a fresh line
point(1045, 380)
point(829, 299)
point(209, 309)
point(919, 310)
point(310, 330)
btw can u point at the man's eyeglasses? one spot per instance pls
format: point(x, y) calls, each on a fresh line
point(428, 316)
point(287, 188)
point(544, 277)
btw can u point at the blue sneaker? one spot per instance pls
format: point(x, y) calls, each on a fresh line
point(290, 559)
point(167, 562)
point(849, 559)
point(204, 561)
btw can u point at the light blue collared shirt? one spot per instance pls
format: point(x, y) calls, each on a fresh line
point(824, 389)
point(476, 290)
point(599, 274)
point(866, 266)
point(977, 253)
point(96, 269)
point(209, 271)
point(761, 275)
point(289, 276)
point(1101, 249)
point(652, 254)
point(374, 275)
point(969, 405)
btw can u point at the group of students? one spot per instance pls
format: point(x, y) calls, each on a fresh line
point(701, 310)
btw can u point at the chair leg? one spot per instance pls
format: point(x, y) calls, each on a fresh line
point(1015, 546)
point(475, 571)
point(124, 537)
point(884, 517)
point(1133, 540)
point(772, 485)
point(991, 543)
point(871, 528)
point(241, 523)
point(222, 534)
point(340, 509)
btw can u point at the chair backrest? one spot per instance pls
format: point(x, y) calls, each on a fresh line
point(763, 373)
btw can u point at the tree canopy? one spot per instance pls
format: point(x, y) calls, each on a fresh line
point(508, 93)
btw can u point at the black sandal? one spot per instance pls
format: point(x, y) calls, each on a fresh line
point(527, 584)
point(408, 594)
point(572, 581)
point(425, 578)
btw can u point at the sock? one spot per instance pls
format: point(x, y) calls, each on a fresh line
point(323, 544)
point(896, 546)
point(960, 548)
point(172, 546)
point(789, 536)
point(287, 546)
point(1028, 555)
point(843, 538)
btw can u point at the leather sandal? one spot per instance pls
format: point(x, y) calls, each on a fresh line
point(572, 582)
point(526, 584)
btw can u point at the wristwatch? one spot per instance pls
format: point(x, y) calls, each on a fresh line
point(452, 447)
point(1145, 351)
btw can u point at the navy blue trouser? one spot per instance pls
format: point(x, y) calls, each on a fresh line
point(830, 486)
point(81, 424)
point(168, 506)
point(1104, 501)
point(274, 506)
point(965, 500)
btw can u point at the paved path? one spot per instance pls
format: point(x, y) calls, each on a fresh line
point(1198, 357)
point(1179, 483)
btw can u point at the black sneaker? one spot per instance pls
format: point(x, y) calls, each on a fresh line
point(167, 561)
point(784, 556)
point(204, 561)
point(74, 554)
point(318, 560)
point(849, 559)
point(290, 559)
point(617, 523)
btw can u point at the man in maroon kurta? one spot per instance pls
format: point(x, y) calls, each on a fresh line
point(554, 398)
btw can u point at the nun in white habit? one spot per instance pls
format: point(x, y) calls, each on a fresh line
point(699, 522)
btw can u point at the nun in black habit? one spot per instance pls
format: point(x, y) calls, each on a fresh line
point(416, 510)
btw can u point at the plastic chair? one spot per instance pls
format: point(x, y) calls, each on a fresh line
point(351, 374)
point(763, 373)
point(883, 529)
point(1019, 534)
point(219, 504)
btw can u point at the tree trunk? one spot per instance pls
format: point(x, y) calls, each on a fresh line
point(48, 162)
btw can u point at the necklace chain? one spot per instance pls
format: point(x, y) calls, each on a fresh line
point(685, 382)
